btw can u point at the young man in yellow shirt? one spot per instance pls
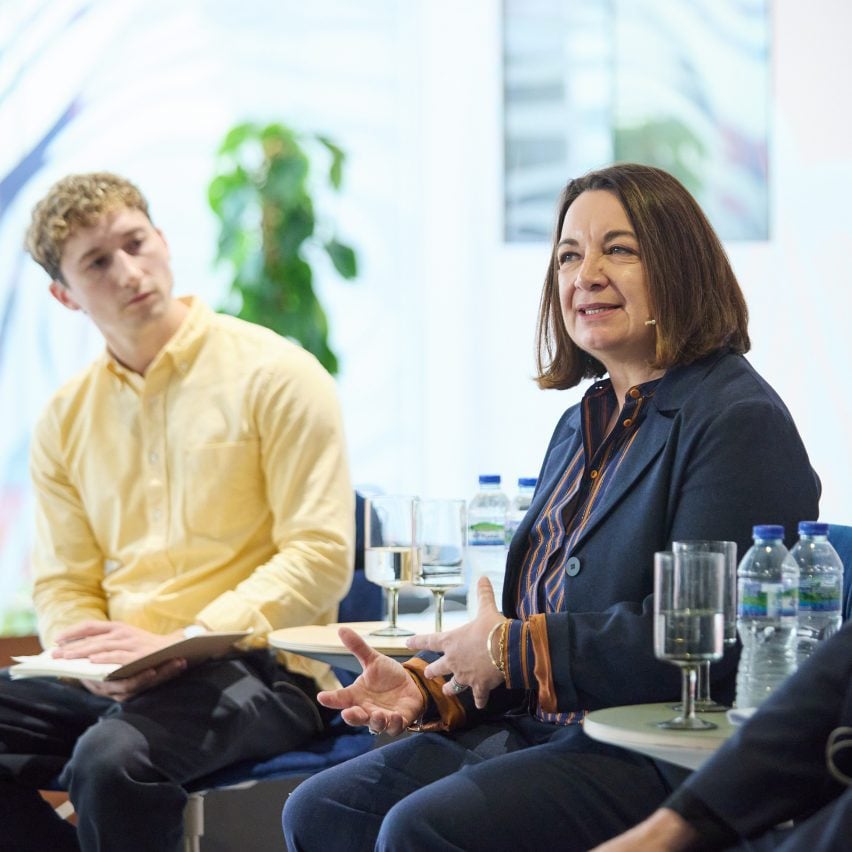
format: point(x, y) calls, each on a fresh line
point(193, 478)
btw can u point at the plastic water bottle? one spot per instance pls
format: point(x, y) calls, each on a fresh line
point(820, 587)
point(767, 586)
point(486, 518)
point(519, 505)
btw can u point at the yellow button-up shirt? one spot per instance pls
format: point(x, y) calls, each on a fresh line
point(213, 489)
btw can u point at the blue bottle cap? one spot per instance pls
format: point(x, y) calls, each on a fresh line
point(812, 528)
point(767, 532)
point(527, 482)
point(489, 479)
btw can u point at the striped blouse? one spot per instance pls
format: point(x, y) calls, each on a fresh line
point(570, 509)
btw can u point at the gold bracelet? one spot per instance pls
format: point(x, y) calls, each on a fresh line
point(502, 648)
point(498, 663)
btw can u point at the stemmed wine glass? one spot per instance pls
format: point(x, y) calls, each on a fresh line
point(441, 535)
point(689, 621)
point(391, 551)
point(703, 702)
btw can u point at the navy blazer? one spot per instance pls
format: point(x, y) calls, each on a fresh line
point(716, 453)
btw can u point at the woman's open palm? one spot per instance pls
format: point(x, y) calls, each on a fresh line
point(384, 697)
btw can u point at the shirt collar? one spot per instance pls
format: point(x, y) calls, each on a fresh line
point(603, 387)
point(183, 347)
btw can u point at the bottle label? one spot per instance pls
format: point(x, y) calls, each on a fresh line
point(766, 600)
point(486, 534)
point(819, 594)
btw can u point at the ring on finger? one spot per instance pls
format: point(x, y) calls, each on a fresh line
point(457, 687)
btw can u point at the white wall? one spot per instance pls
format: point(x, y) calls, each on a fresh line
point(436, 335)
point(798, 285)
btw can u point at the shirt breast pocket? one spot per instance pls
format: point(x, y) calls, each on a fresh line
point(224, 489)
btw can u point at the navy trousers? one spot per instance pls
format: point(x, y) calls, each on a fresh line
point(513, 784)
point(124, 764)
point(828, 830)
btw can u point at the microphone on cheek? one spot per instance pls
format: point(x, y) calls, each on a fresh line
point(650, 322)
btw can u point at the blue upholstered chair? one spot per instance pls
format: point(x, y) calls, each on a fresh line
point(841, 539)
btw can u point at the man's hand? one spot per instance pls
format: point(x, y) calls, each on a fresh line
point(127, 687)
point(384, 697)
point(465, 656)
point(663, 831)
point(116, 642)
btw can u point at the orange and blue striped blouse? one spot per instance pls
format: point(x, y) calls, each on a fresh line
point(543, 589)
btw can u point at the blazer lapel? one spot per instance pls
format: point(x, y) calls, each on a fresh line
point(670, 396)
point(654, 433)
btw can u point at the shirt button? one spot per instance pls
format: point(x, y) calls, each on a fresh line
point(593, 474)
point(572, 567)
point(153, 457)
point(635, 393)
point(156, 514)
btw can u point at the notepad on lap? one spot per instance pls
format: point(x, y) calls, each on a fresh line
point(194, 650)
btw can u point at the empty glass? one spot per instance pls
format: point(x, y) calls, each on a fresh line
point(689, 621)
point(703, 701)
point(391, 551)
point(441, 535)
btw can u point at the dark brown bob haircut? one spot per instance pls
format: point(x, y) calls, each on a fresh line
point(693, 293)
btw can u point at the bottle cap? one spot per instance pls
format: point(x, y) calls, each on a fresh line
point(489, 479)
point(812, 528)
point(767, 532)
point(527, 482)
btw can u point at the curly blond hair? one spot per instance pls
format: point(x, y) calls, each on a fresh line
point(76, 201)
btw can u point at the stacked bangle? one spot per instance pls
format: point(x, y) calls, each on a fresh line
point(498, 662)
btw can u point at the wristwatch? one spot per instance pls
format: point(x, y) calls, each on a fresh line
point(194, 630)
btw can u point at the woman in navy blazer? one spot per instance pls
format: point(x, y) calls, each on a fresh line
point(681, 440)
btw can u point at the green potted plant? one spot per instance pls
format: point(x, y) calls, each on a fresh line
point(263, 195)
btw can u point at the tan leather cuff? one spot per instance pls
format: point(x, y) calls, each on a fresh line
point(450, 709)
point(542, 671)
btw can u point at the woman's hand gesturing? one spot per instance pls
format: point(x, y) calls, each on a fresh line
point(464, 654)
point(384, 697)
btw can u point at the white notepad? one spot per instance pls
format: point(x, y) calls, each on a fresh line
point(194, 650)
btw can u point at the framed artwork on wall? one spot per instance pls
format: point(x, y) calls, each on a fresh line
point(683, 86)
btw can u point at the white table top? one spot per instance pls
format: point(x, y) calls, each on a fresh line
point(634, 727)
point(321, 642)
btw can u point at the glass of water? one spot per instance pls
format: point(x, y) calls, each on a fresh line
point(689, 621)
point(704, 703)
point(441, 534)
point(391, 551)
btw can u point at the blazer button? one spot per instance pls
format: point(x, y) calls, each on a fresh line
point(572, 567)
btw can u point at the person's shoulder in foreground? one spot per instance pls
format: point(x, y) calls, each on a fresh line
point(778, 767)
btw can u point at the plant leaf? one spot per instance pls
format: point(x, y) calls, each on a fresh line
point(237, 136)
point(343, 258)
point(335, 171)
